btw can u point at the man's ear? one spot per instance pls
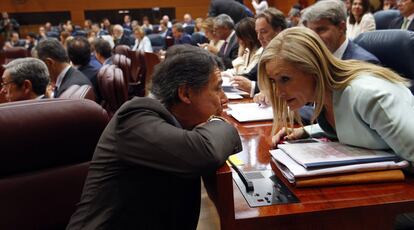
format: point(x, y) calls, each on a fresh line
point(184, 94)
point(342, 26)
point(27, 87)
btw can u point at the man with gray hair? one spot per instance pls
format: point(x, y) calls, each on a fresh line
point(62, 74)
point(119, 36)
point(151, 145)
point(224, 29)
point(25, 79)
point(328, 19)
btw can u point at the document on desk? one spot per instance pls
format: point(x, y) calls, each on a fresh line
point(245, 112)
point(292, 170)
point(323, 154)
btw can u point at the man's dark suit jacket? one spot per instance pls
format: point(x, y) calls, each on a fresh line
point(231, 52)
point(184, 39)
point(397, 22)
point(145, 172)
point(124, 40)
point(230, 7)
point(91, 72)
point(72, 77)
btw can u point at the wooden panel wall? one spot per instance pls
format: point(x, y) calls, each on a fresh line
point(197, 8)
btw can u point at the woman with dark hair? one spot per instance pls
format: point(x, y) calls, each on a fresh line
point(360, 19)
point(249, 45)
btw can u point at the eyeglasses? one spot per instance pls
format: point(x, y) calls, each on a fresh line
point(3, 84)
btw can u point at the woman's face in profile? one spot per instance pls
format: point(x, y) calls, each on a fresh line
point(291, 84)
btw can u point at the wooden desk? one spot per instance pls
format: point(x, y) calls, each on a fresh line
point(369, 206)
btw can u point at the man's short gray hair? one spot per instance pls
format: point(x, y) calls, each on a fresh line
point(183, 65)
point(223, 20)
point(332, 10)
point(31, 69)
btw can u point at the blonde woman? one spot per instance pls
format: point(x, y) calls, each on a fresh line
point(358, 103)
point(142, 42)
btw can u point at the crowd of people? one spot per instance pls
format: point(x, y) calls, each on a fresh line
point(304, 64)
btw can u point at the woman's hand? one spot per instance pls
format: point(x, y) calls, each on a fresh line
point(293, 134)
point(261, 99)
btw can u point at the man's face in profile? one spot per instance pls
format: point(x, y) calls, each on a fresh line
point(208, 100)
point(331, 35)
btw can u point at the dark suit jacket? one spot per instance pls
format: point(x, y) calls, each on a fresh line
point(124, 40)
point(396, 23)
point(354, 51)
point(231, 52)
point(72, 77)
point(230, 7)
point(145, 172)
point(184, 39)
point(91, 72)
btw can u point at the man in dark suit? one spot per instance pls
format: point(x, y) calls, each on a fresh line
point(268, 24)
point(24, 79)
point(103, 51)
point(62, 74)
point(328, 19)
point(79, 51)
point(405, 21)
point(224, 29)
point(180, 36)
point(160, 147)
point(119, 36)
point(230, 7)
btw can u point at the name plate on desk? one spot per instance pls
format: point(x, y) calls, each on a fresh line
point(268, 189)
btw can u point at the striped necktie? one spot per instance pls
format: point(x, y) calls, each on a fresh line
point(404, 25)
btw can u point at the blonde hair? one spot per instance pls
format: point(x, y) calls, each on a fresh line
point(303, 49)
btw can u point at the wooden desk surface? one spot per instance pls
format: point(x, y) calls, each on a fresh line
point(367, 206)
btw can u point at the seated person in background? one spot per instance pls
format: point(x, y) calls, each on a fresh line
point(62, 74)
point(224, 29)
point(103, 51)
point(390, 5)
point(297, 68)
point(188, 20)
point(119, 36)
point(360, 19)
point(405, 20)
point(249, 49)
point(260, 6)
point(14, 41)
point(24, 79)
point(198, 24)
point(328, 19)
point(79, 51)
point(215, 43)
point(268, 25)
point(142, 42)
point(180, 36)
point(31, 41)
point(151, 145)
point(146, 25)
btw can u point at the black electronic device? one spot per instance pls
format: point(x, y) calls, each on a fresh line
point(267, 189)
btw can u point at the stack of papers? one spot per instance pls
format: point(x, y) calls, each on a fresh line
point(245, 112)
point(312, 164)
